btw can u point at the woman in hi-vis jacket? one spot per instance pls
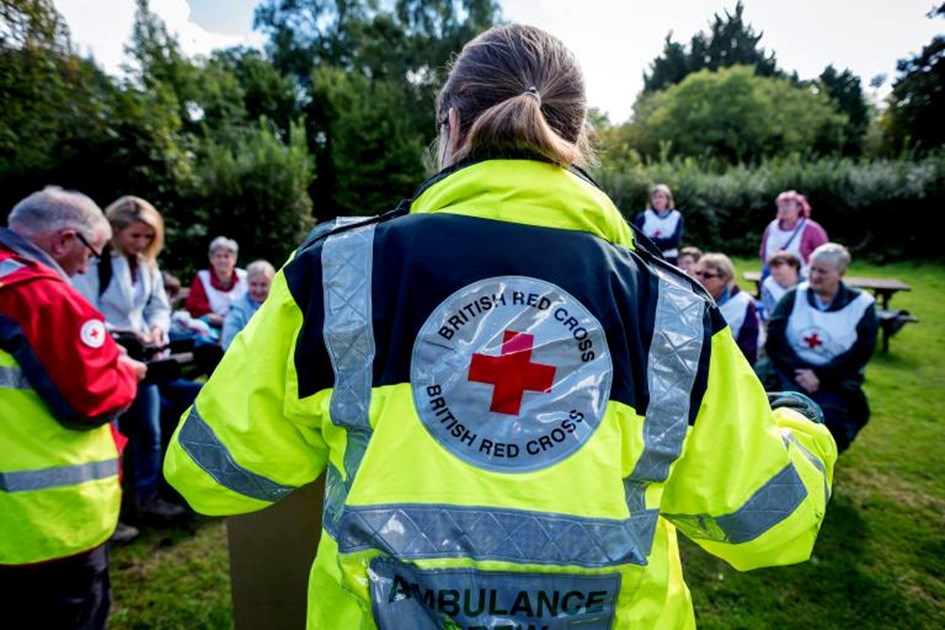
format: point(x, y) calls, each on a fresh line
point(515, 405)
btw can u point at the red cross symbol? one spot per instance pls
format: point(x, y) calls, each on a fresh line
point(512, 372)
point(813, 341)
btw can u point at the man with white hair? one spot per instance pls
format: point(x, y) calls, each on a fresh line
point(63, 380)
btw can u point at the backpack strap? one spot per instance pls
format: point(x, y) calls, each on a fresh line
point(105, 269)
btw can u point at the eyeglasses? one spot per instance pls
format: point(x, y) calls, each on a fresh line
point(706, 274)
point(81, 238)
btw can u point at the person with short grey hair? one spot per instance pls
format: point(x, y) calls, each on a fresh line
point(63, 382)
point(224, 243)
point(834, 255)
point(820, 338)
point(65, 225)
point(215, 289)
point(259, 275)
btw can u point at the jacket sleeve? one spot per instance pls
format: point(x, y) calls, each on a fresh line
point(751, 485)
point(780, 352)
point(233, 323)
point(197, 303)
point(673, 240)
point(813, 237)
point(60, 342)
point(850, 364)
point(764, 244)
point(249, 440)
point(748, 334)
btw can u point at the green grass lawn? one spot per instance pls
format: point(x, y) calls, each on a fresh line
point(879, 561)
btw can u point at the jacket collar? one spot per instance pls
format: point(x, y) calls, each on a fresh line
point(24, 248)
point(524, 190)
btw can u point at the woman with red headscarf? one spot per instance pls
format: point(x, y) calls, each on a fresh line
point(792, 230)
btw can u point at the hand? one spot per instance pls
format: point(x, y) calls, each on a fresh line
point(139, 368)
point(807, 379)
point(798, 402)
point(158, 337)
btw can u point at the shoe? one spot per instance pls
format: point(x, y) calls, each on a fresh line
point(160, 510)
point(124, 534)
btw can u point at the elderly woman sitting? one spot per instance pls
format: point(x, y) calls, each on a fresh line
point(259, 278)
point(820, 338)
point(717, 274)
point(216, 289)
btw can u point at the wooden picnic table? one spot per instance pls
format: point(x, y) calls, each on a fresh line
point(882, 288)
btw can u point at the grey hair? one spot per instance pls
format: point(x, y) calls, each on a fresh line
point(260, 266)
point(52, 209)
point(222, 242)
point(834, 254)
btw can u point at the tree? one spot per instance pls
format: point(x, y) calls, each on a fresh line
point(252, 188)
point(669, 68)
point(65, 122)
point(367, 74)
point(265, 92)
point(737, 116)
point(845, 91)
point(730, 42)
point(372, 159)
point(914, 118)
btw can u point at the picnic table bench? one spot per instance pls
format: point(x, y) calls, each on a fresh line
point(890, 321)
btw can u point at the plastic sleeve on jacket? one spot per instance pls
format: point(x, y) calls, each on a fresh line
point(751, 485)
point(197, 303)
point(261, 432)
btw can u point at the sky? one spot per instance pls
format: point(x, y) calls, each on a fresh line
point(614, 40)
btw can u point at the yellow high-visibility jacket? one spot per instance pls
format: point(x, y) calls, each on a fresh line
point(61, 385)
point(516, 408)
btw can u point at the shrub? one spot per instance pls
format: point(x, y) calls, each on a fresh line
point(880, 209)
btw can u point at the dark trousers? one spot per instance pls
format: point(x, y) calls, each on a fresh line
point(66, 594)
point(846, 409)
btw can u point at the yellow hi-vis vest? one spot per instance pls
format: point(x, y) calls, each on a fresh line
point(515, 411)
point(59, 490)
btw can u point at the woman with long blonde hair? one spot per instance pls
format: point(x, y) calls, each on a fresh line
point(127, 286)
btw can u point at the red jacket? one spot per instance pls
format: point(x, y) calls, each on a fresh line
point(60, 343)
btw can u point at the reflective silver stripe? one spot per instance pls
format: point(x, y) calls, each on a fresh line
point(347, 264)
point(347, 261)
point(58, 476)
point(9, 266)
point(412, 531)
point(771, 504)
point(671, 372)
point(13, 378)
point(334, 504)
point(200, 442)
point(789, 437)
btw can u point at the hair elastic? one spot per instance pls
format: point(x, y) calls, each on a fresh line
point(534, 92)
